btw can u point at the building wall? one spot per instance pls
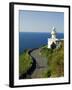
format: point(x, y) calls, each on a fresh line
point(50, 41)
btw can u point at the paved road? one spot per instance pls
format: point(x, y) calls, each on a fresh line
point(41, 64)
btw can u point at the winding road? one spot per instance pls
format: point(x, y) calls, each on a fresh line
point(41, 63)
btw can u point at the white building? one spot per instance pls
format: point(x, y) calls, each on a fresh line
point(54, 42)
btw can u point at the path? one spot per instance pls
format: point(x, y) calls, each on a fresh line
point(41, 64)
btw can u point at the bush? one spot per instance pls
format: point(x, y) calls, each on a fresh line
point(25, 62)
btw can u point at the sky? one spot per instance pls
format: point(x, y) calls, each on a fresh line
point(40, 21)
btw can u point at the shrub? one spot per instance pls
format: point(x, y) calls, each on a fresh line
point(25, 62)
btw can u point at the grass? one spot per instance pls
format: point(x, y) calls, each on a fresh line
point(55, 61)
point(25, 62)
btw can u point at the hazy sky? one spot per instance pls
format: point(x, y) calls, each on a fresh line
point(40, 21)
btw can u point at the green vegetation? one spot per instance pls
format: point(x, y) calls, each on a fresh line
point(55, 61)
point(25, 62)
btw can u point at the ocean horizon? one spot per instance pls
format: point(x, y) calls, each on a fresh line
point(31, 40)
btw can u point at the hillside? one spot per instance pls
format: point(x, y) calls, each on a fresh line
point(42, 62)
point(25, 62)
point(55, 61)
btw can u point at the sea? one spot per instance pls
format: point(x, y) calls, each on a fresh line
point(31, 40)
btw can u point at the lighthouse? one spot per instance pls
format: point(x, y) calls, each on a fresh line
point(53, 33)
point(54, 42)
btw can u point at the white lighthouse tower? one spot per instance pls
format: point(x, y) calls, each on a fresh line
point(53, 39)
point(53, 33)
point(54, 42)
